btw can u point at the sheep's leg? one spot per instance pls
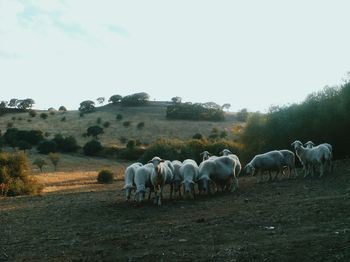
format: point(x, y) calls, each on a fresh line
point(321, 170)
point(234, 186)
point(171, 190)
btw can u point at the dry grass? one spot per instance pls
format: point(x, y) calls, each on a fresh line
point(156, 125)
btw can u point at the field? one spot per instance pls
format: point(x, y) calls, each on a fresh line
point(76, 219)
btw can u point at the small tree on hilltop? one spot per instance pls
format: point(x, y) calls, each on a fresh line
point(176, 99)
point(54, 158)
point(226, 106)
point(100, 100)
point(87, 106)
point(24, 145)
point(26, 103)
point(62, 109)
point(115, 99)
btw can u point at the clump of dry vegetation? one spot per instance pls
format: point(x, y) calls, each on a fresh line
point(14, 176)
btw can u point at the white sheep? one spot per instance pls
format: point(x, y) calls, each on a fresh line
point(220, 170)
point(310, 144)
point(142, 181)
point(161, 176)
point(317, 156)
point(129, 184)
point(205, 155)
point(227, 152)
point(177, 180)
point(289, 162)
point(269, 161)
point(189, 171)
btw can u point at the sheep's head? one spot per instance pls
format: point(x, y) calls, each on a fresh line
point(297, 144)
point(128, 189)
point(249, 169)
point(205, 155)
point(156, 161)
point(309, 144)
point(225, 152)
point(140, 194)
point(204, 184)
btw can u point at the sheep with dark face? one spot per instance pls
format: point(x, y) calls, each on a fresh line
point(270, 161)
point(317, 156)
point(161, 176)
point(142, 181)
point(189, 171)
point(129, 184)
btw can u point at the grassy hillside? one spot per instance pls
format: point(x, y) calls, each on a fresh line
point(155, 124)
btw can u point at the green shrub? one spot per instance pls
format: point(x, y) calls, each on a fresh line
point(46, 147)
point(131, 144)
point(44, 115)
point(105, 176)
point(32, 113)
point(15, 176)
point(197, 136)
point(63, 119)
point(106, 124)
point(99, 120)
point(119, 117)
point(92, 148)
point(126, 123)
point(140, 125)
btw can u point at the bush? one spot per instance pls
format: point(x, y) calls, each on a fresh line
point(15, 176)
point(92, 148)
point(46, 147)
point(99, 120)
point(119, 117)
point(105, 176)
point(140, 125)
point(126, 123)
point(44, 115)
point(197, 136)
point(32, 113)
point(9, 125)
point(65, 144)
point(197, 111)
point(106, 124)
point(131, 144)
point(63, 119)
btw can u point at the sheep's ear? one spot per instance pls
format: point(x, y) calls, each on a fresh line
point(150, 161)
point(162, 160)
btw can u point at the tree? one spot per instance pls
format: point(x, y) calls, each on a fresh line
point(39, 162)
point(87, 106)
point(92, 148)
point(11, 137)
point(115, 99)
point(44, 115)
point(13, 102)
point(136, 99)
point(100, 100)
point(94, 131)
point(226, 106)
point(242, 115)
point(3, 104)
point(25, 104)
point(23, 145)
point(62, 109)
point(54, 158)
point(211, 105)
point(46, 147)
point(176, 99)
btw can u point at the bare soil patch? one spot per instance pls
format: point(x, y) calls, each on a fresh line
point(287, 220)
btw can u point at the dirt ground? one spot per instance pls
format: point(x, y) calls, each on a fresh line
point(287, 220)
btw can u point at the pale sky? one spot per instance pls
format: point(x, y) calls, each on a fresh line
point(249, 53)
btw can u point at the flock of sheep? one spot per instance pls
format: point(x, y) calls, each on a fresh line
point(220, 171)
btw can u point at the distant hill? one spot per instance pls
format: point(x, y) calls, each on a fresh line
point(152, 115)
